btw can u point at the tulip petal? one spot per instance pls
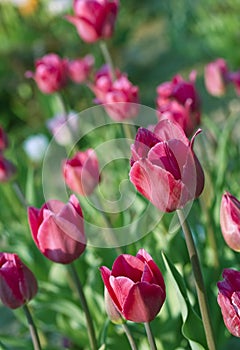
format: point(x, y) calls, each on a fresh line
point(162, 156)
point(121, 287)
point(145, 257)
point(147, 177)
point(144, 141)
point(166, 130)
point(33, 219)
point(147, 275)
point(55, 245)
point(230, 283)
point(143, 303)
point(106, 273)
point(128, 266)
point(230, 317)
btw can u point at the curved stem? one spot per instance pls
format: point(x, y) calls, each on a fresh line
point(129, 336)
point(108, 59)
point(201, 292)
point(32, 328)
point(151, 339)
point(90, 327)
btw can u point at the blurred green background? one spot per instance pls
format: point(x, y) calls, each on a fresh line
point(153, 41)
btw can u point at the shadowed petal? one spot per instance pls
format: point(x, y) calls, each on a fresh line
point(143, 303)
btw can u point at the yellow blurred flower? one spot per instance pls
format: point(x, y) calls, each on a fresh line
point(28, 7)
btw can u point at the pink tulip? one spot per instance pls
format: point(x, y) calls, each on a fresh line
point(51, 73)
point(229, 300)
point(119, 97)
point(79, 69)
point(81, 173)
point(3, 140)
point(164, 167)
point(17, 283)
point(215, 74)
point(7, 169)
point(94, 19)
point(136, 286)
point(230, 220)
point(178, 101)
point(57, 230)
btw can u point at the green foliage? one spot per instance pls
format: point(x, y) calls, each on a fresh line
point(153, 41)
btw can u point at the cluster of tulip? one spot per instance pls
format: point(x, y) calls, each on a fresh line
point(163, 168)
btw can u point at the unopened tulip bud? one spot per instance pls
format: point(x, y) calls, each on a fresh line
point(230, 220)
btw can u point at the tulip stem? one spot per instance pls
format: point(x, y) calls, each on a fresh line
point(32, 328)
point(19, 194)
point(108, 59)
point(90, 327)
point(150, 336)
point(129, 336)
point(201, 292)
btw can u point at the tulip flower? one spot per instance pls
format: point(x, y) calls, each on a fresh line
point(230, 220)
point(119, 97)
point(178, 101)
point(218, 76)
point(229, 300)
point(81, 173)
point(164, 167)
point(3, 140)
point(79, 69)
point(136, 286)
point(50, 73)
point(7, 169)
point(57, 230)
point(215, 75)
point(17, 283)
point(94, 19)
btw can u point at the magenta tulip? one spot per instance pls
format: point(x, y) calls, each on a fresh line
point(178, 101)
point(17, 283)
point(164, 167)
point(119, 97)
point(7, 169)
point(230, 220)
point(58, 230)
point(94, 19)
point(136, 286)
point(79, 69)
point(229, 300)
point(51, 73)
point(81, 173)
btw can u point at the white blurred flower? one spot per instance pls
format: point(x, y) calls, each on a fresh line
point(56, 7)
point(64, 128)
point(35, 147)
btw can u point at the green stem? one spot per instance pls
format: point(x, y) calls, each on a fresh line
point(90, 327)
point(32, 328)
point(108, 59)
point(19, 194)
point(128, 132)
point(201, 292)
point(211, 235)
point(151, 339)
point(129, 336)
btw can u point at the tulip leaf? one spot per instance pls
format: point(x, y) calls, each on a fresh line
point(194, 334)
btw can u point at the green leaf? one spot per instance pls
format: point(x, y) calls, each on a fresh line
point(192, 328)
